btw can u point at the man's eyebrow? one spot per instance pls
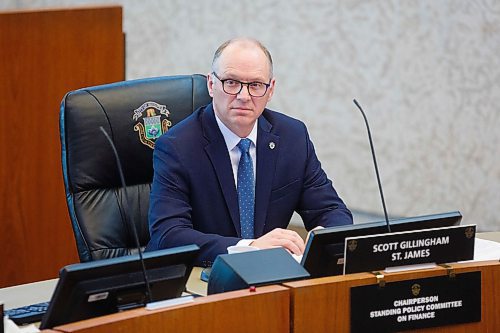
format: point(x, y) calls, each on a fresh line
point(230, 77)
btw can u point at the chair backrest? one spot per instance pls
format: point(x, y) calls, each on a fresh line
point(134, 113)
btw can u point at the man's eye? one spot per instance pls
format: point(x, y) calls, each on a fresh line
point(256, 85)
point(231, 83)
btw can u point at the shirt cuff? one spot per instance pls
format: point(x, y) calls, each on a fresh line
point(245, 242)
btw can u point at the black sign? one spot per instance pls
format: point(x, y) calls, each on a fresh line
point(414, 304)
point(439, 245)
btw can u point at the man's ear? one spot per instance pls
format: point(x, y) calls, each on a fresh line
point(210, 84)
point(271, 89)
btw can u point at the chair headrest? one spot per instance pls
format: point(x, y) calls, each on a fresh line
point(134, 113)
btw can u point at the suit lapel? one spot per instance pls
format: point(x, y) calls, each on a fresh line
point(219, 157)
point(267, 153)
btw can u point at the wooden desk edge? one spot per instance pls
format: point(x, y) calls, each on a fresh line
point(93, 322)
point(395, 276)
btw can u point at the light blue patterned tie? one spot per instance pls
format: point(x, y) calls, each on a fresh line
point(246, 189)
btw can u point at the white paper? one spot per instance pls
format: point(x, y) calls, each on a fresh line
point(169, 302)
point(11, 327)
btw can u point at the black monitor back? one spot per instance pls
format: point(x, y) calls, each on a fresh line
point(97, 288)
point(324, 253)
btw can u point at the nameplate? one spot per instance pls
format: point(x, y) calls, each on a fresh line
point(438, 245)
point(414, 304)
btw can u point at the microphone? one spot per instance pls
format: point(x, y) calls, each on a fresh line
point(375, 163)
point(149, 295)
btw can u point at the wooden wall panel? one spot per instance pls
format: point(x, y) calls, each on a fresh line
point(43, 55)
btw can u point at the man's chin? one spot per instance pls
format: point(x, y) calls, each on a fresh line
point(243, 121)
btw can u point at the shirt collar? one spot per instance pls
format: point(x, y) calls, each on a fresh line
point(232, 139)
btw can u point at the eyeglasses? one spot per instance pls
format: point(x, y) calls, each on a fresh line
point(233, 87)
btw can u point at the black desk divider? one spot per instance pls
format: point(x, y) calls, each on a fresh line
point(256, 268)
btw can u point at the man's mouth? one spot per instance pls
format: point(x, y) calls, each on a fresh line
point(241, 108)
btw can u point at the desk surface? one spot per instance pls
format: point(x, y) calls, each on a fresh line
point(37, 292)
point(492, 235)
point(25, 294)
point(194, 284)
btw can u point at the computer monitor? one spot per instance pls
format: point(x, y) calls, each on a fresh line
point(324, 252)
point(97, 288)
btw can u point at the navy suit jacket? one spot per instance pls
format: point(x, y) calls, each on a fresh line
point(193, 195)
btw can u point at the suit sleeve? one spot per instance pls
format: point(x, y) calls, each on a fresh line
point(170, 212)
point(320, 205)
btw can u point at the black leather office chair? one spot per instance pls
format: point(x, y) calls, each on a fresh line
point(134, 113)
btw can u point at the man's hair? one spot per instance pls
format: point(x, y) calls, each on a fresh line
point(223, 46)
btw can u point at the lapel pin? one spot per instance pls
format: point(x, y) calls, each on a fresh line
point(272, 145)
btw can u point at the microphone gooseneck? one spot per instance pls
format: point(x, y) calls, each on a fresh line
point(149, 295)
point(375, 164)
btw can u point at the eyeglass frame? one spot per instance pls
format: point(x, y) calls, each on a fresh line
point(267, 85)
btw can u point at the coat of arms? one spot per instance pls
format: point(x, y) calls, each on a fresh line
point(415, 289)
point(352, 245)
point(154, 122)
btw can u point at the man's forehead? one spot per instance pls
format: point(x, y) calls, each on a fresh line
point(238, 65)
point(245, 76)
point(242, 52)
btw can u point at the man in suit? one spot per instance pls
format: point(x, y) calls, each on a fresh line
point(213, 189)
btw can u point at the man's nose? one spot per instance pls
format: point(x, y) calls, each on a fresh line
point(244, 94)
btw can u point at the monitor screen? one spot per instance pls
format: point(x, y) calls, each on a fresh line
point(324, 252)
point(97, 288)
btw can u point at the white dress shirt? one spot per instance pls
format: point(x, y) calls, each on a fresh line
point(232, 141)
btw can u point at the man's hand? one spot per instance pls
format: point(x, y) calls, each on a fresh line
point(288, 239)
